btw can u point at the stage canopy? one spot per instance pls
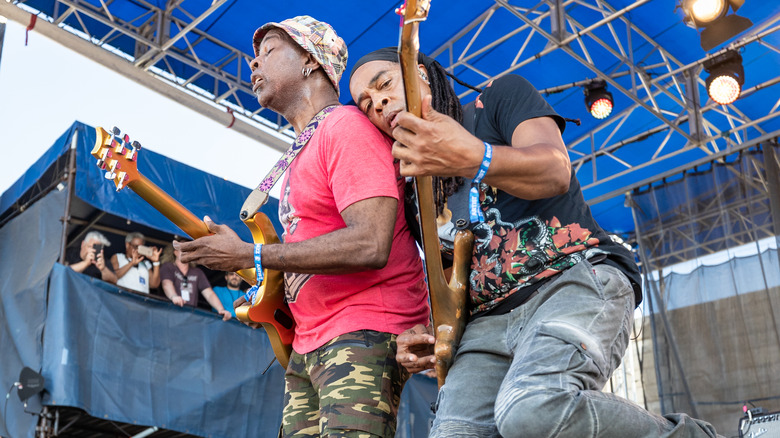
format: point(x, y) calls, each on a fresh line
point(197, 52)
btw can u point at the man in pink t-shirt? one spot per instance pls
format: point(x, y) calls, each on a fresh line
point(348, 161)
point(353, 275)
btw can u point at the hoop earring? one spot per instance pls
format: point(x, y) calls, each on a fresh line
point(423, 76)
point(306, 72)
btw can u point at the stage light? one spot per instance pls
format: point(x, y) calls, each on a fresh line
point(712, 17)
point(707, 11)
point(598, 100)
point(726, 78)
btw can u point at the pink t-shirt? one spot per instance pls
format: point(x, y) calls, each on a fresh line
point(346, 161)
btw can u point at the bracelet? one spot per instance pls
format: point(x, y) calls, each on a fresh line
point(258, 263)
point(475, 213)
point(250, 294)
point(155, 263)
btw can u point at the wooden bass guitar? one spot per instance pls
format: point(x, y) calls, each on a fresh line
point(448, 300)
point(118, 157)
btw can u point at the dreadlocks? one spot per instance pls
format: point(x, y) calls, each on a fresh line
point(446, 102)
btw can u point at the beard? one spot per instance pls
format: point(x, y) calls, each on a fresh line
point(234, 284)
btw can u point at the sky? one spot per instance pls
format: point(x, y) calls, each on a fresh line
point(45, 87)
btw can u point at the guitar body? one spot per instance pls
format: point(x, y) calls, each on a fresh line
point(269, 308)
point(118, 158)
point(449, 306)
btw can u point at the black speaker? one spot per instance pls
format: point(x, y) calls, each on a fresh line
point(764, 426)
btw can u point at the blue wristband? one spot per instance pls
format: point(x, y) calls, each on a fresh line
point(250, 294)
point(259, 263)
point(475, 212)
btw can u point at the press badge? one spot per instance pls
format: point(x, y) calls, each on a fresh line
point(186, 289)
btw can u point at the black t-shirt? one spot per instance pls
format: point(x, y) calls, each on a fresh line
point(523, 243)
point(73, 256)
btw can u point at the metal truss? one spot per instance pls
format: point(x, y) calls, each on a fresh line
point(675, 242)
point(734, 212)
point(165, 44)
point(164, 49)
point(641, 69)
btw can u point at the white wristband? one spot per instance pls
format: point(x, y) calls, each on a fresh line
point(155, 263)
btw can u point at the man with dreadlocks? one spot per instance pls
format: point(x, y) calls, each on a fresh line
point(551, 295)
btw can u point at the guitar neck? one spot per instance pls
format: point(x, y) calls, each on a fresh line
point(409, 49)
point(430, 236)
point(169, 207)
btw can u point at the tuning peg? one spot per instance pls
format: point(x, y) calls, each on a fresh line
point(101, 164)
point(108, 175)
point(116, 131)
point(130, 154)
point(121, 181)
point(136, 144)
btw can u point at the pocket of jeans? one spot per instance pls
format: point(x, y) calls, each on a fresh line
point(346, 343)
point(577, 338)
point(612, 281)
point(360, 338)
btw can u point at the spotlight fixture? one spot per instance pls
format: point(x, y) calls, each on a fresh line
point(598, 99)
point(726, 78)
point(712, 17)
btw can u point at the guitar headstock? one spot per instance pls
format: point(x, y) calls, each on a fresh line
point(414, 10)
point(117, 156)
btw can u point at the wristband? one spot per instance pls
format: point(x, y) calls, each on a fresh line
point(250, 294)
point(155, 263)
point(475, 213)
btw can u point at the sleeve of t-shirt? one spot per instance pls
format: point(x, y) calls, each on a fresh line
point(166, 272)
point(203, 282)
point(511, 100)
point(358, 160)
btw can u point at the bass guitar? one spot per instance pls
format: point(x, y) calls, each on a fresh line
point(118, 157)
point(448, 300)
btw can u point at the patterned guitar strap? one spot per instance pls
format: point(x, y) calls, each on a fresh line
point(259, 195)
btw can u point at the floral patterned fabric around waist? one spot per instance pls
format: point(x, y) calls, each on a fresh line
point(511, 256)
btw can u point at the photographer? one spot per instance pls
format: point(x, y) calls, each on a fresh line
point(90, 259)
point(133, 270)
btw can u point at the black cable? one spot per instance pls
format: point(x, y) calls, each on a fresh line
point(5, 406)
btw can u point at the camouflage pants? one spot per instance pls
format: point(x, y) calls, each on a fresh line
point(349, 387)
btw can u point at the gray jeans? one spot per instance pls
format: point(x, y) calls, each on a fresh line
point(538, 371)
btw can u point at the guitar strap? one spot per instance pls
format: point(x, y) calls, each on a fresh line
point(259, 195)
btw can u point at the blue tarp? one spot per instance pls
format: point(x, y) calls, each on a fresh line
point(200, 192)
point(138, 360)
point(28, 249)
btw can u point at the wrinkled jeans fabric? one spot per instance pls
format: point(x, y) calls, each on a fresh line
point(538, 370)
